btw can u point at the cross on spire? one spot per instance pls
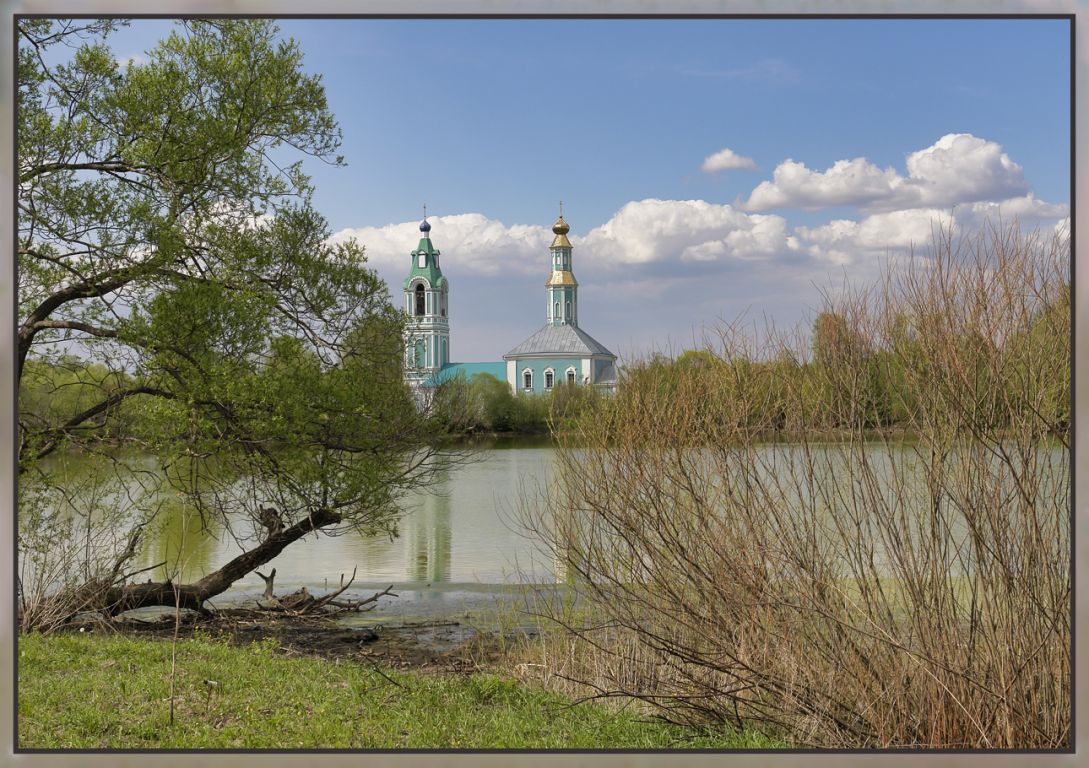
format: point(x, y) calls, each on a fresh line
point(561, 209)
point(425, 211)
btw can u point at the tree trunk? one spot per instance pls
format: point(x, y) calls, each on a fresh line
point(130, 596)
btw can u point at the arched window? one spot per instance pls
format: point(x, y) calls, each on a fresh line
point(571, 375)
point(568, 315)
point(420, 306)
point(527, 379)
point(550, 378)
point(556, 310)
point(444, 303)
point(445, 354)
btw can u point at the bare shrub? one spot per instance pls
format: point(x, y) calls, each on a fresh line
point(81, 523)
point(761, 550)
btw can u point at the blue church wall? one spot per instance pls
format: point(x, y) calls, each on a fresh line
point(538, 366)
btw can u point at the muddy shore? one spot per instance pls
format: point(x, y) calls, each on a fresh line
point(438, 645)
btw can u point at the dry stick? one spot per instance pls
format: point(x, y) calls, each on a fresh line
point(174, 650)
point(268, 583)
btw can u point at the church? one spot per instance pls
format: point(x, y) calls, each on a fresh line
point(559, 352)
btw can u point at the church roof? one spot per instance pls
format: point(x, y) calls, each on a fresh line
point(559, 340)
point(469, 370)
point(430, 271)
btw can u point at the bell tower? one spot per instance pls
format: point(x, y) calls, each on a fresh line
point(561, 287)
point(427, 326)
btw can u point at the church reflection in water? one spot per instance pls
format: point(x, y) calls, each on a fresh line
point(427, 535)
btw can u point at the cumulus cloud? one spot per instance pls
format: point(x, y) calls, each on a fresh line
point(135, 59)
point(957, 168)
point(1027, 210)
point(847, 182)
point(689, 236)
point(727, 160)
point(651, 230)
point(960, 167)
point(468, 241)
point(844, 241)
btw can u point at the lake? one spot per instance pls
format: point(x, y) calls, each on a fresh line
point(457, 542)
point(459, 545)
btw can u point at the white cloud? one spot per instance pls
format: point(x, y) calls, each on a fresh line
point(844, 241)
point(847, 182)
point(653, 230)
point(958, 168)
point(1027, 210)
point(468, 241)
point(727, 160)
point(136, 60)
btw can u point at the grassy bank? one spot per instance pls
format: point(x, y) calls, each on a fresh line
point(114, 692)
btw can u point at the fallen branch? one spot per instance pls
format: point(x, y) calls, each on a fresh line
point(331, 596)
point(357, 605)
point(268, 583)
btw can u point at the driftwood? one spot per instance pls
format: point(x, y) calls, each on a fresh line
point(268, 583)
point(125, 597)
point(301, 602)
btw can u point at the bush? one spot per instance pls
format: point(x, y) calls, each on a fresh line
point(868, 592)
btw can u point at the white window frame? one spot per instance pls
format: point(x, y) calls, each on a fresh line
point(549, 372)
point(571, 375)
point(527, 372)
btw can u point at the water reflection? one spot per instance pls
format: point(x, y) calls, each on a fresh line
point(182, 541)
point(458, 531)
point(429, 534)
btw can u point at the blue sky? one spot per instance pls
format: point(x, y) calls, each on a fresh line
point(847, 137)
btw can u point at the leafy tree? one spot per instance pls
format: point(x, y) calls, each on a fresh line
point(166, 238)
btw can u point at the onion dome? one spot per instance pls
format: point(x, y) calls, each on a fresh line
point(425, 226)
point(560, 227)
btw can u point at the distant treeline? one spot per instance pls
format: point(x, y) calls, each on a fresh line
point(484, 404)
point(850, 375)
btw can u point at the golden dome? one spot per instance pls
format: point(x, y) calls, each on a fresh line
point(560, 227)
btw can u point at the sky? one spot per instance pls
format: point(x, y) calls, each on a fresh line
point(709, 169)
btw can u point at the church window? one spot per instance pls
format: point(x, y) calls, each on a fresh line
point(420, 300)
point(568, 315)
point(570, 375)
point(527, 379)
point(549, 378)
point(556, 309)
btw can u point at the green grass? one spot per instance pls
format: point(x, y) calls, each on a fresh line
point(80, 692)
